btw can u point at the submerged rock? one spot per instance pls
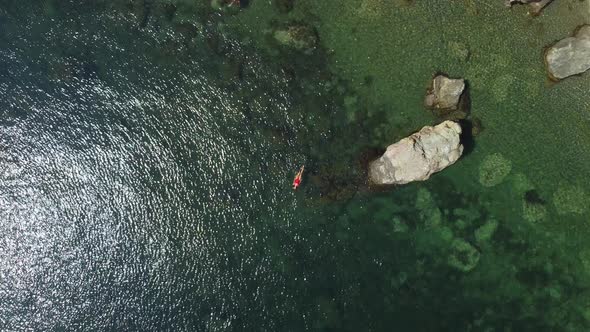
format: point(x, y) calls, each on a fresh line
point(464, 256)
point(533, 212)
point(494, 169)
point(569, 56)
point(533, 206)
point(444, 93)
point(223, 4)
point(417, 157)
point(429, 212)
point(399, 226)
point(460, 51)
point(485, 232)
point(284, 6)
point(535, 6)
point(298, 36)
point(570, 199)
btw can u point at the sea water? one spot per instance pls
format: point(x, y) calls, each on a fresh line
point(147, 150)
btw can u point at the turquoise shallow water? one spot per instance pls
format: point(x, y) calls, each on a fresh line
point(146, 155)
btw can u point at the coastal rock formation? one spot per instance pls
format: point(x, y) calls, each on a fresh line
point(569, 56)
point(535, 6)
point(417, 157)
point(298, 36)
point(444, 93)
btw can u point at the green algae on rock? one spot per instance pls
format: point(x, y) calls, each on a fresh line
point(570, 199)
point(533, 206)
point(459, 50)
point(429, 212)
point(464, 257)
point(297, 36)
point(494, 169)
point(521, 183)
point(399, 226)
point(533, 212)
point(284, 6)
point(485, 232)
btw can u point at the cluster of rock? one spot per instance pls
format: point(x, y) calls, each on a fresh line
point(569, 56)
point(464, 230)
point(535, 6)
point(433, 148)
point(294, 35)
point(417, 157)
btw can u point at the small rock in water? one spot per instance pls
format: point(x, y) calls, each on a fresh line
point(535, 6)
point(444, 93)
point(417, 157)
point(569, 56)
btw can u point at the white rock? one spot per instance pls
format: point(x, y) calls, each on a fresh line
point(444, 93)
point(418, 156)
point(569, 56)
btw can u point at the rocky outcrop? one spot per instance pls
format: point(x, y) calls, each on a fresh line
point(417, 157)
point(444, 93)
point(569, 56)
point(535, 6)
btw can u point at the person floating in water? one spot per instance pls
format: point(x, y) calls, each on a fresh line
point(297, 180)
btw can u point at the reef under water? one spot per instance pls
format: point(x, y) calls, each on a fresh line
point(147, 150)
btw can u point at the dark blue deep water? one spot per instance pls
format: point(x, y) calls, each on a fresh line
point(138, 193)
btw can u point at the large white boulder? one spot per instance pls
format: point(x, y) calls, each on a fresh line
point(569, 56)
point(418, 156)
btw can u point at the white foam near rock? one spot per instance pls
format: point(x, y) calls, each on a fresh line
point(569, 56)
point(417, 157)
